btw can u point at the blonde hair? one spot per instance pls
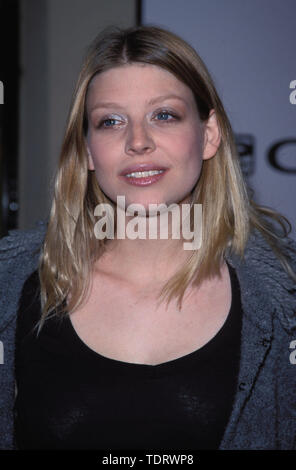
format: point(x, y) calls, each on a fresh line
point(70, 247)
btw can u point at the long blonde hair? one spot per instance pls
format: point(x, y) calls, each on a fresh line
point(70, 247)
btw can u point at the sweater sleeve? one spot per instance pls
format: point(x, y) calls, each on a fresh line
point(19, 255)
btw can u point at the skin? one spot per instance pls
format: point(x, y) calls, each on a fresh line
point(133, 119)
point(120, 318)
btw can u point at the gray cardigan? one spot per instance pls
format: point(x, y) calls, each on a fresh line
point(264, 409)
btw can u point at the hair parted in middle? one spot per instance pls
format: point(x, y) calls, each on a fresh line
point(70, 247)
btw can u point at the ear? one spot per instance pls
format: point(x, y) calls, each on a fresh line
point(212, 136)
point(89, 158)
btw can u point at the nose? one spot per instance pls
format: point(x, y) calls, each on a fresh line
point(139, 140)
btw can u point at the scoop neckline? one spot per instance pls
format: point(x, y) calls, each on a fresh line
point(167, 366)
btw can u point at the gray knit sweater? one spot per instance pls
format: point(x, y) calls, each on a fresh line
point(264, 409)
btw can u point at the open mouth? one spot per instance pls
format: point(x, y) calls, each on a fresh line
point(144, 178)
point(143, 174)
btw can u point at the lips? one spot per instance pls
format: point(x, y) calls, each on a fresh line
point(142, 167)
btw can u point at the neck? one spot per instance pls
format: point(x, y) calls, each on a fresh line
point(151, 259)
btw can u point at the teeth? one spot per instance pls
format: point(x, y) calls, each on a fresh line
point(143, 174)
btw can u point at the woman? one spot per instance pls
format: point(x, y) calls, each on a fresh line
point(138, 342)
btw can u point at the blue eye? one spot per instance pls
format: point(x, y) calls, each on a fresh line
point(165, 116)
point(109, 122)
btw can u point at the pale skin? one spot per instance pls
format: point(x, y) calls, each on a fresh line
point(134, 117)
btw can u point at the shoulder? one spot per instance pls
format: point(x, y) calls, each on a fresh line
point(258, 248)
point(19, 242)
point(264, 279)
point(19, 257)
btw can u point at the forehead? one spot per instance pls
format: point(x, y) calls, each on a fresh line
point(141, 81)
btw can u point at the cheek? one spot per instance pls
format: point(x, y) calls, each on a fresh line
point(101, 155)
point(190, 152)
point(191, 161)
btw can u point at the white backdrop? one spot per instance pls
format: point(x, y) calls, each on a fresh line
point(249, 48)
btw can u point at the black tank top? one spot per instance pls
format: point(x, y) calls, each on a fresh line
point(70, 397)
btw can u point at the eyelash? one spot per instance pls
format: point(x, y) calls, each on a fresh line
point(162, 111)
point(101, 123)
point(169, 113)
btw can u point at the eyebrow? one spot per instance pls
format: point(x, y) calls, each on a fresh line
point(166, 97)
point(153, 101)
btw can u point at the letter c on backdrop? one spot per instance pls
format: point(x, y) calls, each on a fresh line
point(274, 156)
